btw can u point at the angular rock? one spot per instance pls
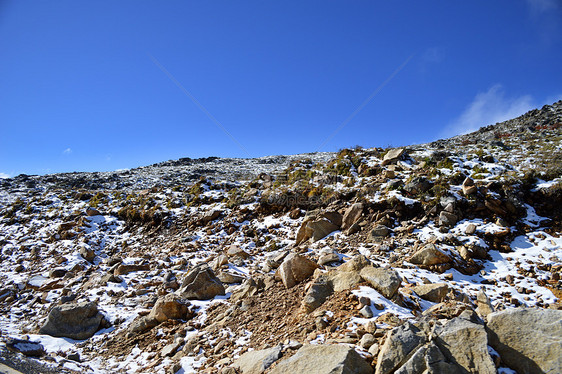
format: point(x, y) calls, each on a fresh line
point(170, 306)
point(465, 343)
point(129, 268)
point(318, 291)
point(229, 278)
point(201, 283)
point(256, 362)
point(434, 292)
point(351, 215)
point(321, 228)
point(528, 340)
point(90, 212)
point(88, 254)
point(392, 156)
point(379, 231)
point(294, 269)
point(26, 347)
point(447, 218)
point(399, 344)
point(468, 187)
point(235, 251)
point(76, 321)
point(484, 305)
point(429, 255)
point(324, 359)
point(385, 281)
point(418, 185)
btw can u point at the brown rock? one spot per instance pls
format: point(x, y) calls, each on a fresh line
point(351, 215)
point(294, 269)
point(429, 255)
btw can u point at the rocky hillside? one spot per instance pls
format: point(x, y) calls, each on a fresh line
point(435, 258)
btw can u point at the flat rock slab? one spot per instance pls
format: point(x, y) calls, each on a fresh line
point(528, 340)
point(324, 359)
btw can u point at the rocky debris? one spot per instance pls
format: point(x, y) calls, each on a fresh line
point(295, 269)
point(201, 283)
point(257, 362)
point(528, 340)
point(418, 185)
point(26, 347)
point(434, 292)
point(324, 359)
point(73, 320)
point(430, 255)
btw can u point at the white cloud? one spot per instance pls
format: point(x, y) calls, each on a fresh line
point(488, 108)
point(4, 175)
point(67, 151)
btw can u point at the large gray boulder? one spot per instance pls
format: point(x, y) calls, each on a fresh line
point(401, 342)
point(528, 340)
point(256, 362)
point(465, 343)
point(201, 284)
point(324, 359)
point(73, 320)
point(385, 281)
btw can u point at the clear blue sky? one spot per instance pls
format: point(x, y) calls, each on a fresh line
point(83, 85)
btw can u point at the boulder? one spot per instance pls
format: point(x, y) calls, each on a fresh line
point(318, 291)
point(392, 156)
point(351, 215)
point(324, 359)
point(90, 212)
point(447, 218)
point(321, 228)
point(88, 254)
point(201, 283)
point(385, 281)
point(468, 187)
point(465, 343)
point(399, 344)
point(379, 231)
point(347, 275)
point(528, 340)
point(418, 185)
point(429, 255)
point(73, 320)
point(484, 304)
point(235, 251)
point(427, 359)
point(170, 306)
point(434, 292)
point(26, 347)
point(294, 269)
point(256, 362)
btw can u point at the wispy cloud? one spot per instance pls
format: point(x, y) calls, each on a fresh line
point(67, 151)
point(488, 108)
point(4, 176)
point(540, 6)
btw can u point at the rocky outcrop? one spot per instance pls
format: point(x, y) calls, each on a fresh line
point(528, 340)
point(76, 321)
point(324, 359)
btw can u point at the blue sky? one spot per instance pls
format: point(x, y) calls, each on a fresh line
point(105, 85)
